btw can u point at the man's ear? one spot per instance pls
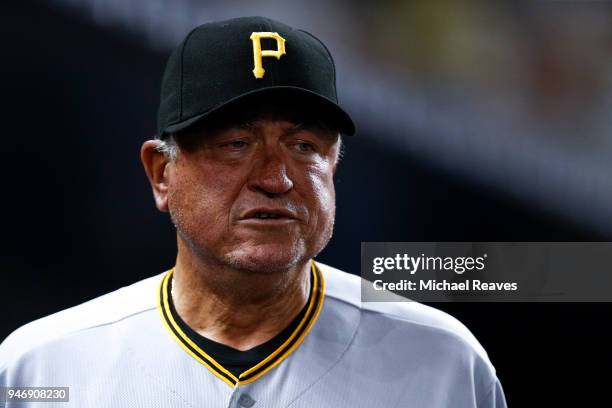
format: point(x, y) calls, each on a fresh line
point(156, 166)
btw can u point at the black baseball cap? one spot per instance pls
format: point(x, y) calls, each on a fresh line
point(218, 65)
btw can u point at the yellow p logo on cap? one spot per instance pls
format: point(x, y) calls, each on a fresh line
point(258, 54)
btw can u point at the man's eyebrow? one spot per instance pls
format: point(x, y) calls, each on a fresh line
point(322, 127)
point(245, 124)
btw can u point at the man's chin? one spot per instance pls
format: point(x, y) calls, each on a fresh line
point(267, 258)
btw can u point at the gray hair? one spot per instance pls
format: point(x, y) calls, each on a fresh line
point(168, 147)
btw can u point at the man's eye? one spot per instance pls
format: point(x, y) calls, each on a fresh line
point(304, 147)
point(236, 145)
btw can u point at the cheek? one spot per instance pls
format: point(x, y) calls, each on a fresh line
point(201, 197)
point(322, 198)
point(326, 195)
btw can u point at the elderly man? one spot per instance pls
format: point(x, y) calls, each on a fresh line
point(248, 143)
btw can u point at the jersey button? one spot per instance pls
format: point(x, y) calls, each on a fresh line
point(246, 401)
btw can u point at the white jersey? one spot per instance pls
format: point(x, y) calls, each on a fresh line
point(124, 350)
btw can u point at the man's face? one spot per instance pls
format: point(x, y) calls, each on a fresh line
point(257, 196)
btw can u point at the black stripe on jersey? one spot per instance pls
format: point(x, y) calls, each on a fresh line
point(315, 302)
point(316, 292)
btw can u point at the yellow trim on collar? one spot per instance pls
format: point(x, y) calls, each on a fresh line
point(276, 357)
point(184, 341)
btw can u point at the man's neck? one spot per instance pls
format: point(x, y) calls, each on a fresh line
point(238, 308)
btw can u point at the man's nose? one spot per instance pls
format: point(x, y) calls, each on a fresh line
point(269, 175)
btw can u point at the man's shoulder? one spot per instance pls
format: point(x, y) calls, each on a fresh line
point(392, 339)
point(402, 313)
point(102, 311)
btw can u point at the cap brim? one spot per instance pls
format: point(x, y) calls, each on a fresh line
point(302, 96)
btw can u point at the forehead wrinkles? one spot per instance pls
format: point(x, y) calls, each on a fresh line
point(258, 125)
point(261, 126)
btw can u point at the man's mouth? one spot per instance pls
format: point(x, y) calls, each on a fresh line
point(263, 215)
point(269, 214)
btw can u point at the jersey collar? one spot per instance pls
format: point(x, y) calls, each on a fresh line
point(276, 357)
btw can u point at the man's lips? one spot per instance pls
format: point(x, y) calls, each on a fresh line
point(268, 213)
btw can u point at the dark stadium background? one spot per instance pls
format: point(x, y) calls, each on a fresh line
point(79, 95)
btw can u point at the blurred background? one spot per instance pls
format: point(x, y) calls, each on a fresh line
point(477, 121)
